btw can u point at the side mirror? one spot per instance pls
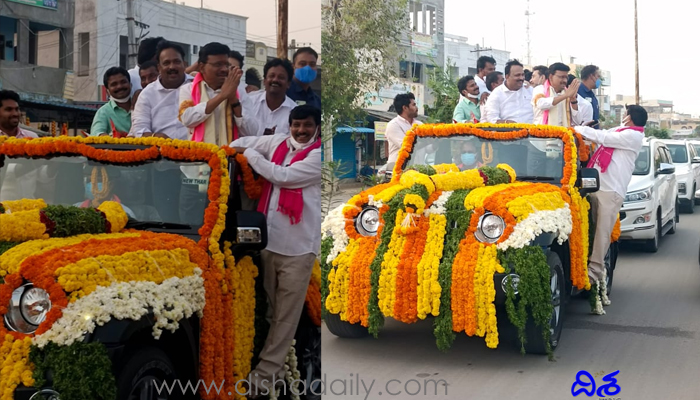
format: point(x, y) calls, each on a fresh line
point(696, 160)
point(247, 230)
point(588, 181)
point(666, 169)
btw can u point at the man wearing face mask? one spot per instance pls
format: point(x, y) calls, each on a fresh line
point(590, 79)
point(305, 72)
point(114, 118)
point(467, 110)
point(292, 202)
point(468, 158)
point(615, 161)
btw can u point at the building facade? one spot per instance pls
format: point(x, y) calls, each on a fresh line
point(101, 39)
point(462, 56)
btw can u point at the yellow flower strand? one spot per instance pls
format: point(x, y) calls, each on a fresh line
point(22, 226)
point(445, 168)
point(429, 289)
point(15, 367)
point(389, 269)
point(13, 206)
point(83, 277)
point(450, 181)
point(487, 265)
point(523, 206)
point(116, 215)
point(339, 280)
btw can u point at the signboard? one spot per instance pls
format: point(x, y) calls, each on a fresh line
point(52, 4)
point(423, 45)
point(380, 130)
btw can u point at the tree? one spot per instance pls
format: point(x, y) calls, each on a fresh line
point(659, 133)
point(444, 88)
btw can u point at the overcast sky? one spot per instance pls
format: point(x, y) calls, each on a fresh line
point(304, 18)
point(594, 31)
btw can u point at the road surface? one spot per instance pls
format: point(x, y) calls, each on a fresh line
point(651, 334)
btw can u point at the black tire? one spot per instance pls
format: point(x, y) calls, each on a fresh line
point(674, 221)
point(533, 333)
point(308, 348)
point(652, 245)
point(690, 207)
point(145, 370)
point(344, 329)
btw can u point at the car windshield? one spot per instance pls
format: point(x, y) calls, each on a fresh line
point(679, 153)
point(532, 158)
point(159, 191)
point(697, 148)
point(641, 165)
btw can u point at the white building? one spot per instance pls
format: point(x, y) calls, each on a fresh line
point(101, 39)
point(464, 55)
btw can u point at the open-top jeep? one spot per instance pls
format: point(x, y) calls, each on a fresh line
point(128, 271)
point(467, 247)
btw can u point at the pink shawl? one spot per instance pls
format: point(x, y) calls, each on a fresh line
point(198, 134)
point(291, 202)
point(603, 155)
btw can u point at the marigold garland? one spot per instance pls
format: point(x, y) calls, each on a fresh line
point(15, 367)
point(313, 295)
point(13, 206)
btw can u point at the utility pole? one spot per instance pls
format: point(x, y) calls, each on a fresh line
point(479, 50)
point(130, 23)
point(527, 15)
point(636, 56)
point(282, 28)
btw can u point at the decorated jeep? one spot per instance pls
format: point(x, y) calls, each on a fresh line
point(127, 266)
point(467, 247)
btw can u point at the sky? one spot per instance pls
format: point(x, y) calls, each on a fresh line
point(599, 32)
point(304, 18)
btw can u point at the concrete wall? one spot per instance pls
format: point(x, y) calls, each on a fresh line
point(106, 22)
point(63, 17)
point(34, 79)
point(48, 49)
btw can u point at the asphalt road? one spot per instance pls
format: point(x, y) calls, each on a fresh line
point(651, 334)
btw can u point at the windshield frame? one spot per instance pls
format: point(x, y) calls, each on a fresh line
point(574, 147)
point(105, 150)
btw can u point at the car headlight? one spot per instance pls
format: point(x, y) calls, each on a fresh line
point(490, 228)
point(640, 195)
point(367, 223)
point(28, 308)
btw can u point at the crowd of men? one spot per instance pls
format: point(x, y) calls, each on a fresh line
point(274, 121)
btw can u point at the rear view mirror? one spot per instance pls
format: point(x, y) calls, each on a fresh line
point(588, 181)
point(247, 230)
point(696, 160)
point(666, 169)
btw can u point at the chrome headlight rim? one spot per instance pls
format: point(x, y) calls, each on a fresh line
point(16, 317)
point(482, 236)
point(367, 221)
point(648, 191)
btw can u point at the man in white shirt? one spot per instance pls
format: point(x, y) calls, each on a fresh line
point(407, 110)
point(510, 102)
point(585, 108)
point(615, 161)
point(206, 111)
point(539, 75)
point(292, 202)
point(156, 112)
point(484, 66)
point(9, 116)
point(553, 103)
point(147, 52)
point(267, 112)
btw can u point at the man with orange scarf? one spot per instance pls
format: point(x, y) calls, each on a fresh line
point(206, 104)
point(291, 200)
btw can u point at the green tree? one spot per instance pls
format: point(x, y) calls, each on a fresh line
point(444, 88)
point(659, 133)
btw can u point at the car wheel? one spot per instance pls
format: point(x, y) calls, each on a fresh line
point(533, 332)
point(652, 245)
point(690, 208)
point(144, 372)
point(308, 349)
point(344, 329)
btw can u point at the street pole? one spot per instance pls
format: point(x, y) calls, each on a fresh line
point(636, 56)
point(132, 47)
point(282, 28)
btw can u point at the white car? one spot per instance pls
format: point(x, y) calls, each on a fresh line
point(650, 209)
point(687, 162)
point(696, 145)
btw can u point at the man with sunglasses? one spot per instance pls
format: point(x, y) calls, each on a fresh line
point(206, 104)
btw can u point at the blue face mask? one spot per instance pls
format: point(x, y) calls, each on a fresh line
point(468, 158)
point(598, 83)
point(88, 189)
point(305, 74)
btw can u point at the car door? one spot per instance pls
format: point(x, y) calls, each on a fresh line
point(695, 168)
point(672, 191)
point(660, 181)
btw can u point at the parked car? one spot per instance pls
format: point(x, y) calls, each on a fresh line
point(156, 284)
point(687, 162)
point(696, 145)
point(650, 209)
point(466, 246)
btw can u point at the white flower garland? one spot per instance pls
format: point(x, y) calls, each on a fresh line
point(334, 226)
point(291, 374)
point(438, 206)
point(171, 301)
point(525, 231)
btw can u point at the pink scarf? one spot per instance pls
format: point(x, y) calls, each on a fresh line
point(291, 202)
point(545, 118)
point(603, 155)
point(198, 134)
